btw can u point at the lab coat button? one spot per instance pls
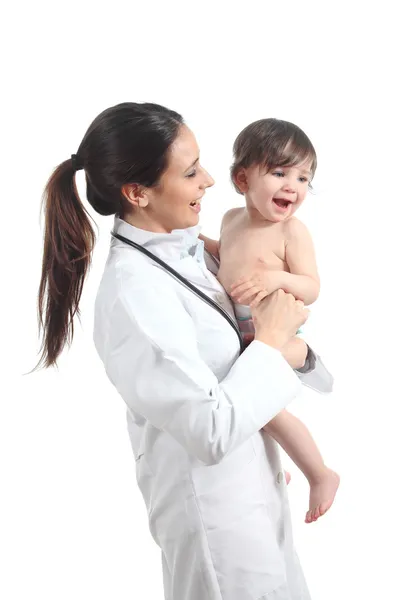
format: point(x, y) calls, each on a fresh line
point(279, 477)
point(220, 298)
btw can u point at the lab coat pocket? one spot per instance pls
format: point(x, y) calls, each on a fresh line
point(280, 593)
point(144, 478)
point(241, 539)
point(226, 474)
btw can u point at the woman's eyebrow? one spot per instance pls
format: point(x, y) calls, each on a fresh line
point(192, 165)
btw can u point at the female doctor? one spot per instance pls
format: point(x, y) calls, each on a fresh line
point(196, 402)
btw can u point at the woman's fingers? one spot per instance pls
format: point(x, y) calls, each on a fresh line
point(259, 297)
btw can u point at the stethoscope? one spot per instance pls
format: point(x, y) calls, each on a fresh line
point(183, 281)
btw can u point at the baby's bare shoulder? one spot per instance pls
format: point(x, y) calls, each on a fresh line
point(293, 228)
point(231, 214)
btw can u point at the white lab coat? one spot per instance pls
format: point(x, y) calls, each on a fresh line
point(212, 483)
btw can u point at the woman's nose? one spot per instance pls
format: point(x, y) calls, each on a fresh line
point(208, 180)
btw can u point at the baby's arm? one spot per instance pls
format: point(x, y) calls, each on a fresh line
point(212, 246)
point(303, 280)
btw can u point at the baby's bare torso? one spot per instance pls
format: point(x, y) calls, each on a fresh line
point(246, 246)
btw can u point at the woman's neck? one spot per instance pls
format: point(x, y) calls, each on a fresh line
point(142, 221)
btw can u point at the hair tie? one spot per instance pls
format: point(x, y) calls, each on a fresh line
point(76, 162)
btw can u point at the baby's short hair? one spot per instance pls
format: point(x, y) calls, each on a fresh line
point(271, 143)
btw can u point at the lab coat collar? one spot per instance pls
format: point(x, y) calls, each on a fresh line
point(178, 244)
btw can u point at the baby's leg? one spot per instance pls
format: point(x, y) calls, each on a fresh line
point(296, 440)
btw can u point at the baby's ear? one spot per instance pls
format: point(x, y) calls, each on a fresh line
point(240, 179)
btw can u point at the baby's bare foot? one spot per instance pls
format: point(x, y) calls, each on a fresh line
point(322, 494)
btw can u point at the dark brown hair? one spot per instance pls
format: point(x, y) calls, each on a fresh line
point(127, 143)
point(271, 143)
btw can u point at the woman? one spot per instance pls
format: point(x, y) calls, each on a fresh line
point(212, 484)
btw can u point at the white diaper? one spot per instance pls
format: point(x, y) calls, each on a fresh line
point(244, 319)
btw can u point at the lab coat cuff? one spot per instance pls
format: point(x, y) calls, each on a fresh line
point(268, 381)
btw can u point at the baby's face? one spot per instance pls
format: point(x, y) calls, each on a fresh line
point(277, 194)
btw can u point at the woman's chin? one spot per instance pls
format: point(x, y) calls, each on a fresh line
point(194, 220)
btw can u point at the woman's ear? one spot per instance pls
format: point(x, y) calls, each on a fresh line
point(135, 194)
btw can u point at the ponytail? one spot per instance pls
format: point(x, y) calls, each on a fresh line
point(68, 244)
point(127, 143)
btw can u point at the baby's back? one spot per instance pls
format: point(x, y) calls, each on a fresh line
point(246, 246)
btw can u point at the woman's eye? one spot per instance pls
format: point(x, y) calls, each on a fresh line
point(192, 174)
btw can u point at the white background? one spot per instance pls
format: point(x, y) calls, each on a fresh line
point(72, 522)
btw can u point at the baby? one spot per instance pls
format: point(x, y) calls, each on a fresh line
point(264, 247)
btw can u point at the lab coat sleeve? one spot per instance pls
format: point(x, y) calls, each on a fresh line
point(152, 358)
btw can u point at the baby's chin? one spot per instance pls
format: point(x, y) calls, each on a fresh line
point(273, 218)
point(280, 218)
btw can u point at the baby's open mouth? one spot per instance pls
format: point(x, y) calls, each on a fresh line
point(282, 203)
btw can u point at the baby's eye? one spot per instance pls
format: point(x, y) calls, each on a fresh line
point(279, 173)
point(303, 179)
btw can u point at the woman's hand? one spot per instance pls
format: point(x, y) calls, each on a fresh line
point(277, 317)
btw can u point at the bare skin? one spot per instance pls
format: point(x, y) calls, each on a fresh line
point(246, 247)
point(277, 255)
point(293, 436)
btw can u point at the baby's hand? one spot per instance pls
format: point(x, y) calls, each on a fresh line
point(253, 289)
